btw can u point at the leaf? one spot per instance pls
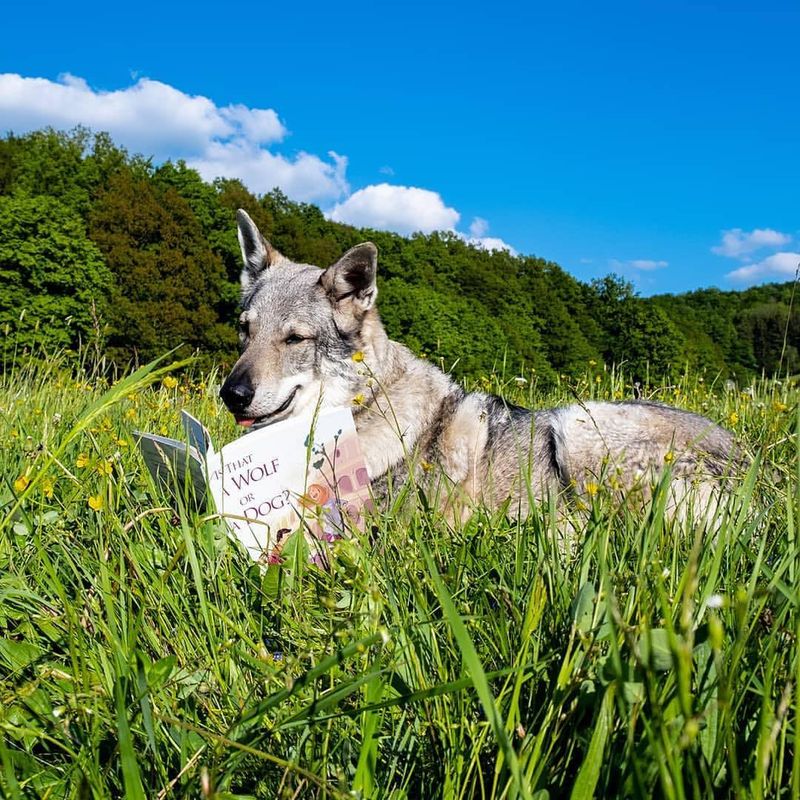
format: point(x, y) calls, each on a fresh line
point(473, 666)
point(270, 584)
point(143, 692)
point(158, 673)
point(586, 782)
point(17, 655)
point(583, 608)
point(655, 650)
point(633, 692)
point(48, 518)
point(130, 768)
point(8, 771)
point(295, 553)
point(364, 781)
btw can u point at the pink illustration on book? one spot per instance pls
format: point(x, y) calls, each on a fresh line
point(273, 556)
point(337, 495)
point(337, 489)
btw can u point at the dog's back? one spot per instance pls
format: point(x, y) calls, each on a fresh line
point(621, 447)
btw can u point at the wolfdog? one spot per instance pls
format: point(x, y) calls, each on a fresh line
point(307, 333)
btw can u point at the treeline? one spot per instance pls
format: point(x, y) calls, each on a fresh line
point(105, 249)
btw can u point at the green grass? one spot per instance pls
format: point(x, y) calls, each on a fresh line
point(142, 654)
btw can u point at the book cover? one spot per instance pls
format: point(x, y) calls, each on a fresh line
point(304, 473)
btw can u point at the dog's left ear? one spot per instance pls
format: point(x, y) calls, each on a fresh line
point(257, 253)
point(352, 278)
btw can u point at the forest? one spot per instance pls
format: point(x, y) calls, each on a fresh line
point(107, 251)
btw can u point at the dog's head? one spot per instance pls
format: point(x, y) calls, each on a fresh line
point(299, 329)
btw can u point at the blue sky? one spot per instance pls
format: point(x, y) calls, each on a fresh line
point(625, 137)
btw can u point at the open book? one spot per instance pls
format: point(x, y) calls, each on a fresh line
point(303, 473)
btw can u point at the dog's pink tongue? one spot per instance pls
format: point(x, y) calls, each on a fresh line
point(244, 422)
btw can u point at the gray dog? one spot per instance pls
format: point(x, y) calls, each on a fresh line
point(308, 333)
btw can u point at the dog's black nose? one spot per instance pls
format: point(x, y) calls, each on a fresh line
point(237, 393)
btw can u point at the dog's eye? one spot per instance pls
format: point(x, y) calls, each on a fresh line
point(244, 328)
point(294, 339)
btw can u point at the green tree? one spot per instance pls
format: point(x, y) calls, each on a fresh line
point(638, 336)
point(71, 166)
point(774, 333)
point(54, 283)
point(169, 238)
point(170, 288)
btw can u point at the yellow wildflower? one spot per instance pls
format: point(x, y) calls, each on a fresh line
point(105, 468)
point(358, 356)
point(170, 382)
point(21, 483)
point(120, 442)
point(96, 502)
point(130, 413)
point(592, 362)
point(669, 457)
point(733, 418)
point(359, 400)
point(779, 407)
point(592, 488)
point(82, 460)
point(426, 465)
point(47, 487)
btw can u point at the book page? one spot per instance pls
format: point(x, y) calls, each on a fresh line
point(173, 465)
point(197, 434)
point(303, 472)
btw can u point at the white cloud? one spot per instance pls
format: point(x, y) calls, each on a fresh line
point(647, 264)
point(234, 141)
point(638, 264)
point(408, 209)
point(159, 120)
point(149, 117)
point(737, 243)
point(477, 237)
point(780, 266)
point(403, 209)
point(306, 177)
point(478, 228)
point(490, 243)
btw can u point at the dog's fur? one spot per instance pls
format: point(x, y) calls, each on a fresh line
point(307, 332)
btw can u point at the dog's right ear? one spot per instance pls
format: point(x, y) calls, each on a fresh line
point(351, 280)
point(257, 253)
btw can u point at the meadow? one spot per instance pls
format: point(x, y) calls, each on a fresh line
point(144, 655)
